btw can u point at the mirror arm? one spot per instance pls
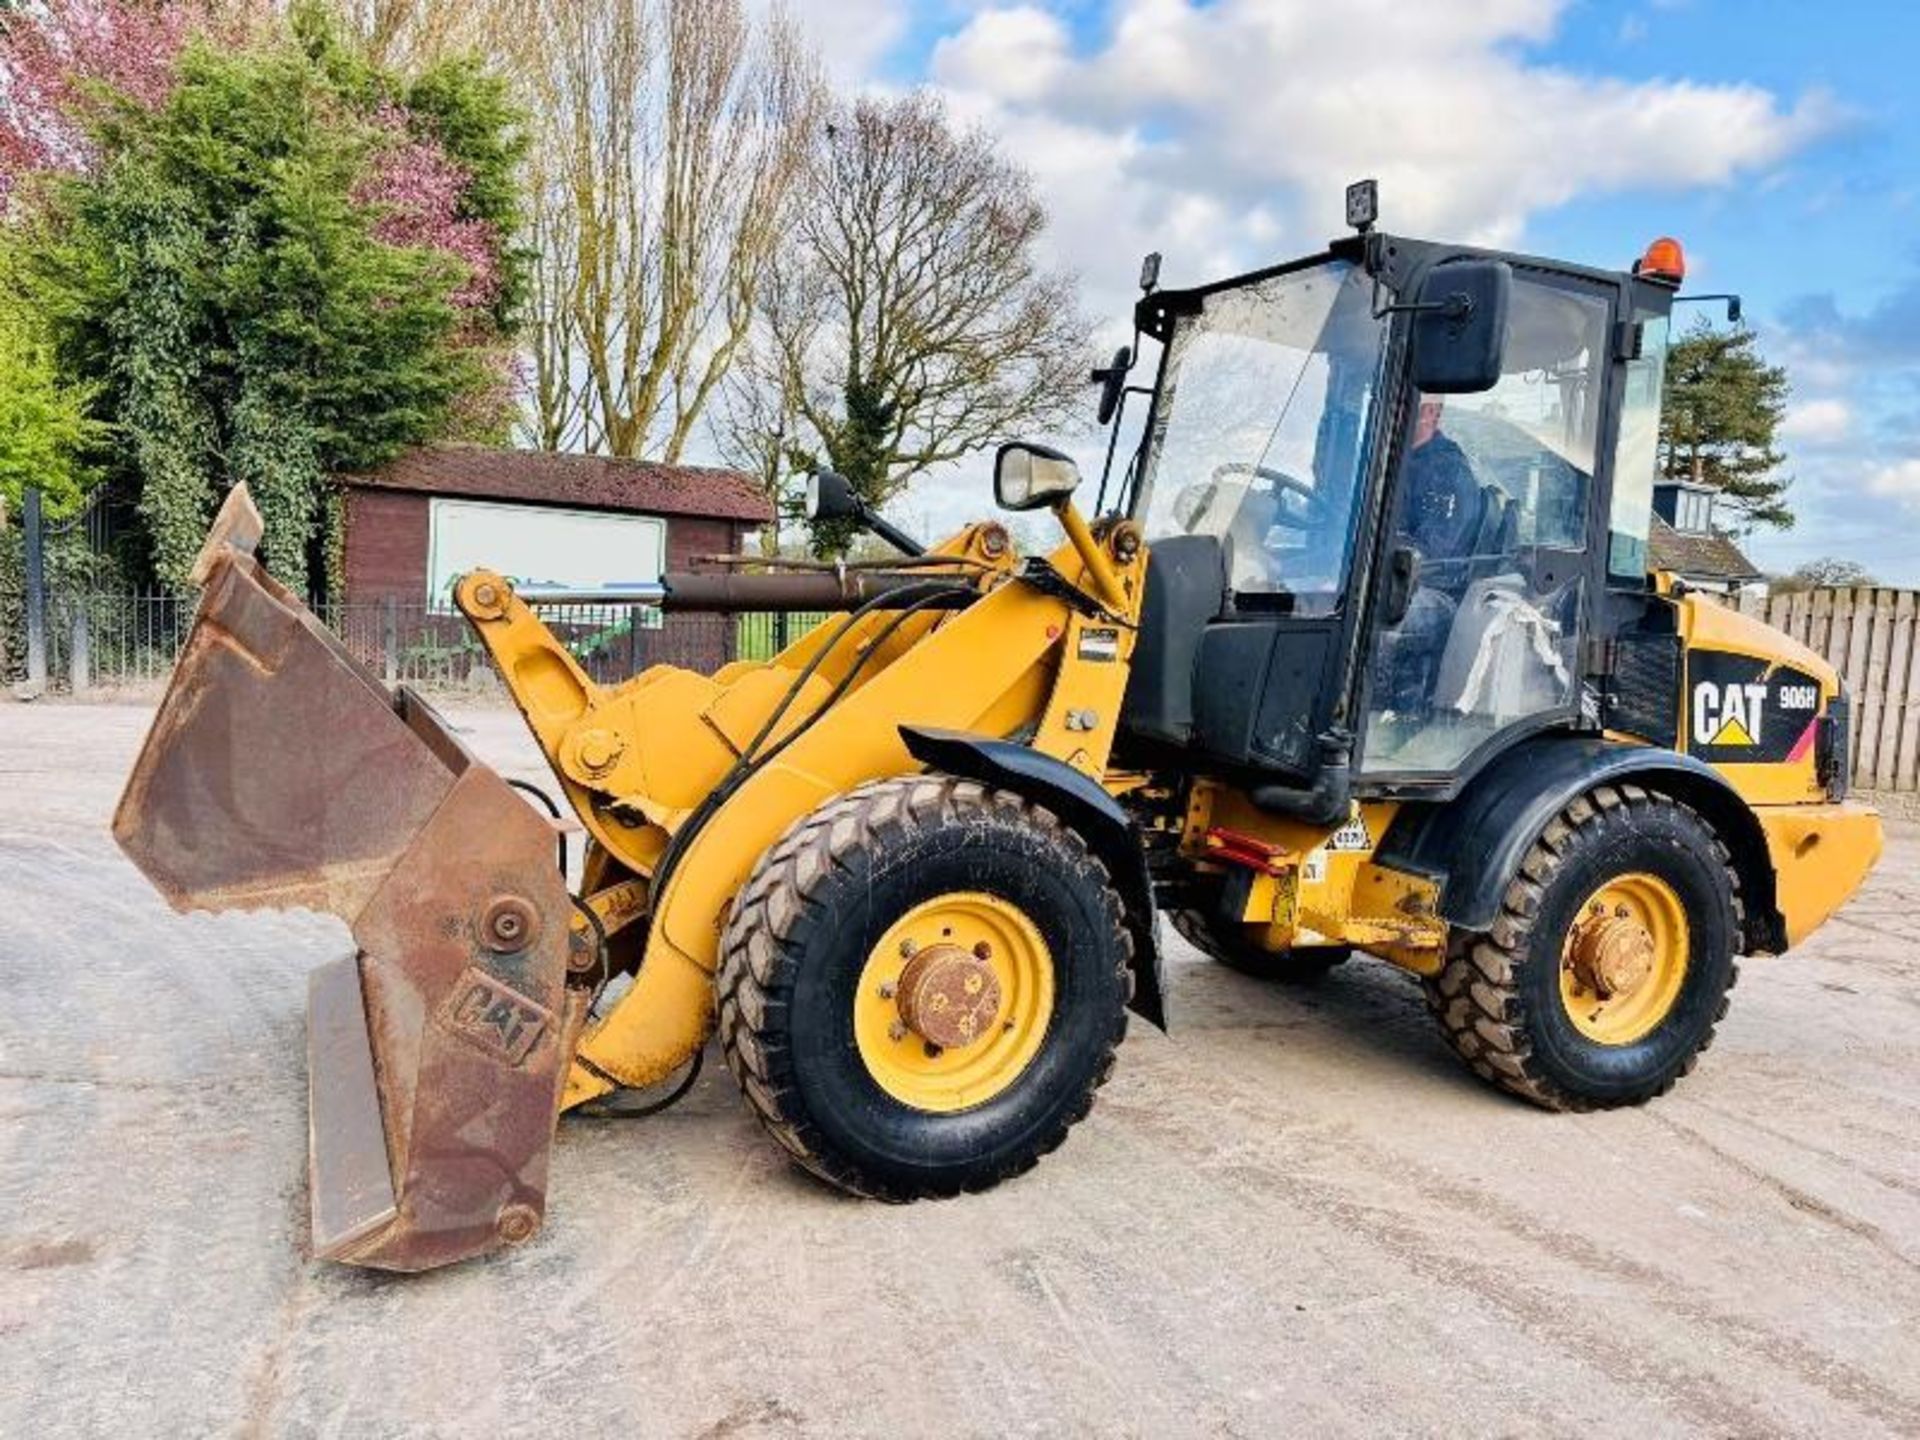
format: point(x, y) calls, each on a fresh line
point(1735, 308)
point(1106, 584)
point(890, 532)
point(1457, 306)
point(1113, 439)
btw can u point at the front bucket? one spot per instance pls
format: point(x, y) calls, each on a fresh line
point(280, 773)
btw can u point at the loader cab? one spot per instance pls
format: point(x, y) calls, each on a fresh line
point(1389, 492)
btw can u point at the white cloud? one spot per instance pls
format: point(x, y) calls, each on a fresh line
point(1273, 105)
point(1012, 54)
point(1900, 480)
point(1818, 421)
point(852, 36)
point(1223, 133)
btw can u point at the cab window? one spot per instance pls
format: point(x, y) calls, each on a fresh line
point(1491, 500)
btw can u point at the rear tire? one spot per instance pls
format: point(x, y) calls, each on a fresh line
point(1300, 965)
point(812, 932)
point(1506, 1000)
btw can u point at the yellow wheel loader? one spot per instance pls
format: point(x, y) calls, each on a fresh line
point(1361, 654)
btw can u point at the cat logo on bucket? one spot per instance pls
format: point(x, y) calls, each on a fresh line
point(1730, 714)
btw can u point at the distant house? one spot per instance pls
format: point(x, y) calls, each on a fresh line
point(1685, 542)
point(582, 521)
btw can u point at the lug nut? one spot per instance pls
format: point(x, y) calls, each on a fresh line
point(897, 1030)
point(907, 947)
point(887, 991)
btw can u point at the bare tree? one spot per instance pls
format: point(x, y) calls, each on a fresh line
point(407, 33)
point(907, 321)
point(672, 133)
point(1827, 571)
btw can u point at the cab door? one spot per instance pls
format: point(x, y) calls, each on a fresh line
point(1483, 592)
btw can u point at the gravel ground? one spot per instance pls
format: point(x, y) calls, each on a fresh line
point(1295, 1214)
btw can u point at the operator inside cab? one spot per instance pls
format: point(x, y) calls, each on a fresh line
point(1492, 502)
point(1439, 514)
point(1264, 435)
point(1441, 503)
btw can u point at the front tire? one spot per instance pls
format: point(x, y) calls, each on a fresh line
point(1610, 963)
point(817, 975)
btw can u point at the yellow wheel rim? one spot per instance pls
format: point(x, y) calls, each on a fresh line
point(1625, 959)
point(966, 968)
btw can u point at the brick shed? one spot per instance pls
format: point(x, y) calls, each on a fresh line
point(581, 520)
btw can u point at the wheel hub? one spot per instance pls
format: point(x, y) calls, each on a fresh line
point(954, 1001)
point(1612, 952)
point(1625, 959)
point(948, 996)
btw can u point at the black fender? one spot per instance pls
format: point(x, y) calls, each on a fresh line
point(1473, 845)
point(1081, 802)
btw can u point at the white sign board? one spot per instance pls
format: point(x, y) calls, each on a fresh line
point(539, 545)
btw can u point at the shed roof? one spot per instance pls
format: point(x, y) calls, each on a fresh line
point(1706, 555)
point(595, 482)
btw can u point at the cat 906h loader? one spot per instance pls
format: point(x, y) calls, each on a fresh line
point(1363, 657)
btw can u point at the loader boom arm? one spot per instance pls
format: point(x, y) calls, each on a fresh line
point(637, 760)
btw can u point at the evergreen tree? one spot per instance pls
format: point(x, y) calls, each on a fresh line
point(1722, 411)
point(276, 269)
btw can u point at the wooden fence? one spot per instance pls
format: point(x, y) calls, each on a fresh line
point(1869, 635)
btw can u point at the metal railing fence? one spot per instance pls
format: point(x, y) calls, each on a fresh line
point(119, 641)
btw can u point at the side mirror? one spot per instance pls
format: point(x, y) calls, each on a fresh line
point(830, 497)
point(1026, 477)
point(1112, 381)
point(1460, 327)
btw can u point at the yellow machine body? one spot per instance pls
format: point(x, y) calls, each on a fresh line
point(1820, 851)
point(920, 979)
point(684, 782)
point(638, 759)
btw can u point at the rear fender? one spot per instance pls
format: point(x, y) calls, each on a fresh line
point(1473, 845)
point(1085, 805)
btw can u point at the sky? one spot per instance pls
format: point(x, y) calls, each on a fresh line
point(1779, 140)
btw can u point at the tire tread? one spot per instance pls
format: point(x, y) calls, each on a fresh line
point(1476, 997)
point(760, 959)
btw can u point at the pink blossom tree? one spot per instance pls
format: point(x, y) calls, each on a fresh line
point(60, 59)
point(416, 190)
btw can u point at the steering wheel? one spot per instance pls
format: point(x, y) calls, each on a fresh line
point(1312, 510)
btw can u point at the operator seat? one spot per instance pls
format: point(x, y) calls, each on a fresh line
point(1491, 550)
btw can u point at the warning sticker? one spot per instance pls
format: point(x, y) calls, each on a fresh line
point(1099, 644)
point(1351, 836)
